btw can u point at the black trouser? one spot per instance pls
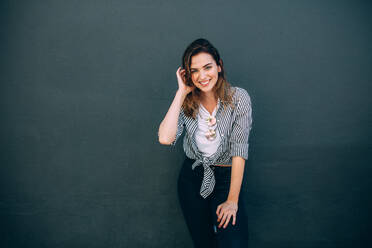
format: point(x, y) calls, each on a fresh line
point(200, 214)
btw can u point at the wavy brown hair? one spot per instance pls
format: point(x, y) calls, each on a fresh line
point(222, 89)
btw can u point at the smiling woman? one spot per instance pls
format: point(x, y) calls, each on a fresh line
point(217, 118)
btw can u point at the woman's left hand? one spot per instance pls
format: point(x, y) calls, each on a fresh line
point(225, 211)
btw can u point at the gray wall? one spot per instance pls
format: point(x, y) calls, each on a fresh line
point(85, 84)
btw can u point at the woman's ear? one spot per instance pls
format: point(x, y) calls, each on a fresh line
point(219, 66)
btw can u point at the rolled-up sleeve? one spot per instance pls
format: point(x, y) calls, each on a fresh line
point(241, 126)
point(180, 127)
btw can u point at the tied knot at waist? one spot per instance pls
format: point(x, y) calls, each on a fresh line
point(209, 180)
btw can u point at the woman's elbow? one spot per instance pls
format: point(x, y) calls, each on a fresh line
point(164, 141)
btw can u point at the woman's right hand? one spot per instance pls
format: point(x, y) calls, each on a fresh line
point(182, 87)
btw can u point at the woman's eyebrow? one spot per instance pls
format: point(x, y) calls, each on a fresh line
point(202, 66)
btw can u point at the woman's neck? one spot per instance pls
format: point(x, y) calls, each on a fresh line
point(208, 98)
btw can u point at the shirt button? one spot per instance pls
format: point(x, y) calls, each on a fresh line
point(222, 135)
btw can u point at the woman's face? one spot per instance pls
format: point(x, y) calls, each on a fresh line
point(204, 71)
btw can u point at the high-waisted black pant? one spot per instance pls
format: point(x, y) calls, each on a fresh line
point(200, 214)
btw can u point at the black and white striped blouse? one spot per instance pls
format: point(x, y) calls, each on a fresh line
point(234, 125)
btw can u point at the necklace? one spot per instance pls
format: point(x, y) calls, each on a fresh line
point(210, 121)
point(211, 133)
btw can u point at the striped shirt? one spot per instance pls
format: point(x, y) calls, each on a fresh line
point(233, 124)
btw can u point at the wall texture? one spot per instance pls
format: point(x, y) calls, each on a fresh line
point(85, 84)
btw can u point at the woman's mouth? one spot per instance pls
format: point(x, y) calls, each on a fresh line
point(204, 83)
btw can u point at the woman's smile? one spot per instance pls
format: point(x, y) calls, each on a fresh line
point(204, 83)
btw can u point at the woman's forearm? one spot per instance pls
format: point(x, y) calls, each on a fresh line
point(168, 127)
point(237, 172)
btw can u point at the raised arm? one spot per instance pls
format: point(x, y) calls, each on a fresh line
point(168, 127)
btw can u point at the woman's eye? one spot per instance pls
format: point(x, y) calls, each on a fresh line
point(193, 71)
point(208, 67)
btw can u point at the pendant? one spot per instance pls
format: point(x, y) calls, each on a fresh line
point(211, 121)
point(210, 134)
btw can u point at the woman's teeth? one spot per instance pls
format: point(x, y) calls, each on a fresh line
point(204, 82)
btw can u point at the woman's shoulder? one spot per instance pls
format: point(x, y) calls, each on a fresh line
point(240, 95)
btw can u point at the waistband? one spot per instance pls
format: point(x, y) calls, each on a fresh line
point(213, 166)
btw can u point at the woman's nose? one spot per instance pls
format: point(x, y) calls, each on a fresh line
point(202, 75)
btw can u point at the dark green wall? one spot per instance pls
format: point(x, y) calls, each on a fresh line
point(85, 84)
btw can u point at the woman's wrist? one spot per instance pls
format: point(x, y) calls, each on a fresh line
point(181, 93)
point(232, 199)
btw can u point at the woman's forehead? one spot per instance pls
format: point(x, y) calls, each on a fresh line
point(200, 60)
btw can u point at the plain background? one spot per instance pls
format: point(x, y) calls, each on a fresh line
point(85, 85)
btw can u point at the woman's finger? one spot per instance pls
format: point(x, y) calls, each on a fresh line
point(218, 209)
point(234, 219)
point(219, 216)
point(227, 221)
point(221, 213)
point(223, 219)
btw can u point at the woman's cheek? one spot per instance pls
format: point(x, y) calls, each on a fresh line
point(194, 79)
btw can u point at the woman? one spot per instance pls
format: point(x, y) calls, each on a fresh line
point(217, 118)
